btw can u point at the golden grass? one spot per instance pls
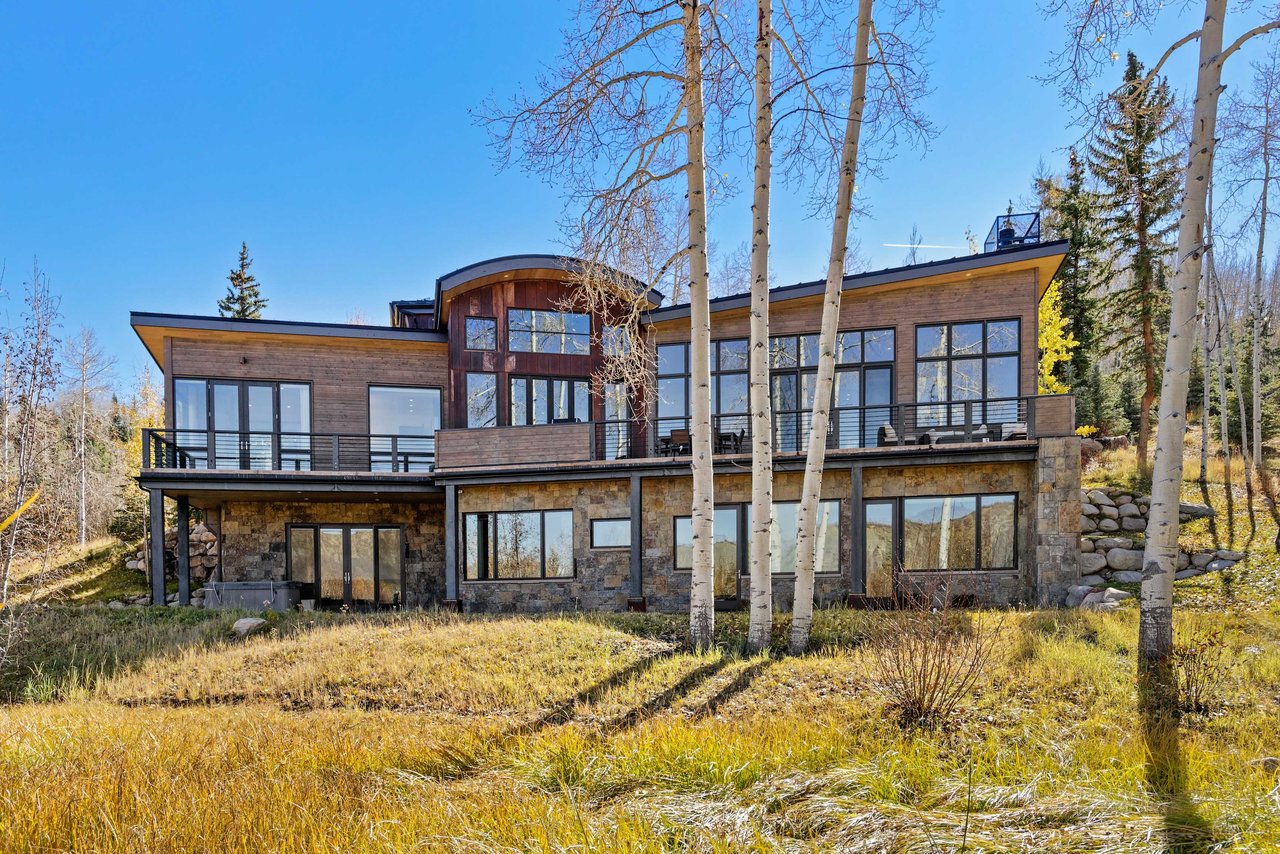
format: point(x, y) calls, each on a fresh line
point(432, 732)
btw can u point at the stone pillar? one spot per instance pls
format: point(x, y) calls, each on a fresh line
point(156, 525)
point(1057, 519)
point(184, 550)
point(636, 601)
point(451, 599)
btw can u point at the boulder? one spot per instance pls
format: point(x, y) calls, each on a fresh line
point(1086, 545)
point(1092, 580)
point(1094, 596)
point(1196, 511)
point(1124, 559)
point(1092, 562)
point(1110, 512)
point(1269, 764)
point(1143, 500)
point(1227, 554)
point(1108, 525)
point(1122, 500)
point(1097, 496)
point(1190, 572)
point(1113, 595)
point(115, 604)
point(246, 626)
point(1075, 595)
point(1219, 565)
point(1089, 509)
point(1103, 606)
point(1105, 543)
point(1129, 509)
point(1127, 577)
point(1087, 524)
point(1184, 560)
point(1131, 523)
point(1202, 559)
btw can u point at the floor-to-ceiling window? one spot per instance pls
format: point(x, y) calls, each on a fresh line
point(959, 362)
point(243, 424)
point(353, 566)
point(402, 424)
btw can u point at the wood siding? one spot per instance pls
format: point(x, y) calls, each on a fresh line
point(340, 371)
point(543, 443)
point(1000, 297)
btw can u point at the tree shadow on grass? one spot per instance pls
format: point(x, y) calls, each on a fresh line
point(666, 698)
point(564, 711)
point(740, 683)
point(1186, 831)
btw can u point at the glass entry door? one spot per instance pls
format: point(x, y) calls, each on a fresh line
point(880, 537)
point(348, 566)
point(244, 424)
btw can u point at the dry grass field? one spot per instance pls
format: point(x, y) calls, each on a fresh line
point(145, 730)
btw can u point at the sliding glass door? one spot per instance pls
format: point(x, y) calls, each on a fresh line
point(233, 424)
point(348, 566)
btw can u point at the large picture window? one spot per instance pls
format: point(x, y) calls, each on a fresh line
point(531, 330)
point(782, 537)
point(533, 544)
point(547, 400)
point(402, 425)
point(481, 333)
point(249, 424)
point(957, 362)
point(482, 399)
point(959, 532)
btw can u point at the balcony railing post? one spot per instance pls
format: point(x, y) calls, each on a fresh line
point(395, 453)
point(1031, 417)
point(334, 448)
point(146, 448)
point(968, 420)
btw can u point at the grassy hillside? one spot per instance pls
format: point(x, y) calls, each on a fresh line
point(141, 730)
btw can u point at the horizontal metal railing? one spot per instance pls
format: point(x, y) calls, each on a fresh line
point(288, 452)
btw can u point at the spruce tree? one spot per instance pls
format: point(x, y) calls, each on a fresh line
point(1139, 191)
point(1071, 213)
point(244, 299)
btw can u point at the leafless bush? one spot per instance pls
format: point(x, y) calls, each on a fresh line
point(1201, 667)
point(930, 655)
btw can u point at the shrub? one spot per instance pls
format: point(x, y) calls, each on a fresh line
point(929, 656)
point(1200, 665)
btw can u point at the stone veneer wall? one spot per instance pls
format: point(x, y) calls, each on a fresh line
point(971, 478)
point(1057, 519)
point(602, 576)
point(667, 589)
point(253, 538)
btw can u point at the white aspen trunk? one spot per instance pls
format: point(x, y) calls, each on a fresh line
point(1234, 364)
point(811, 491)
point(1255, 313)
point(1206, 372)
point(702, 613)
point(84, 415)
point(760, 626)
point(1155, 623)
point(1224, 429)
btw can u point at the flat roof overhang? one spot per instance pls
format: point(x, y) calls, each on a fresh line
point(1045, 258)
point(211, 484)
point(153, 327)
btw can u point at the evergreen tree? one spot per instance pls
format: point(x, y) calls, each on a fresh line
point(1140, 186)
point(1071, 213)
point(244, 299)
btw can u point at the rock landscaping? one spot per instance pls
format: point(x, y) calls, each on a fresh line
point(1113, 525)
point(202, 552)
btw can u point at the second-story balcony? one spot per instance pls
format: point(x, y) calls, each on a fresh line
point(919, 426)
point(233, 450)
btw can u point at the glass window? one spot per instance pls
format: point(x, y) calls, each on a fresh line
point(558, 536)
point(999, 531)
point(878, 548)
point(939, 533)
point(610, 533)
point(724, 549)
point(358, 565)
point(808, 351)
point(412, 416)
point(191, 419)
point(529, 544)
point(966, 339)
point(1002, 377)
point(331, 571)
point(1002, 336)
point(482, 399)
point(390, 549)
point(362, 564)
point(295, 408)
point(877, 345)
point(548, 331)
point(849, 348)
point(481, 333)
point(519, 545)
point(542, 400)
point(931, 342)
point(783, 353)
point(955, 363)
point(732, 394)
point(672, 359)
point(302, 557)
point(782, 537)
point(733, 355)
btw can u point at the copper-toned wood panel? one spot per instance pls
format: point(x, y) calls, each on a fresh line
point(340, 373)
point(1055, 415)
point(545, 443)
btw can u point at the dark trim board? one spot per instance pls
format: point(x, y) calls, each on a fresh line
point(282, 327)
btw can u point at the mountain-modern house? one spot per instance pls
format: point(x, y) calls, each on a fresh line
point(468, 455)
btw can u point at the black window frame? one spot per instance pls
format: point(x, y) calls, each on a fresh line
point(901, 526)
point(416, 457)
point(491, 552)
point(743, 549)
point(583, 338)
point(548, 381)
point(466, 332)
point(299, 453)
point(951, 410)
point(346, 528)
point(466, 400)
point(623, 547)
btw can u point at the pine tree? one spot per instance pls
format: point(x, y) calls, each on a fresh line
point(1071, 212)
point(1140, 190)
point(244, 299)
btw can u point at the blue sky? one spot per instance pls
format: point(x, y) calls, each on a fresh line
point(142, 143)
